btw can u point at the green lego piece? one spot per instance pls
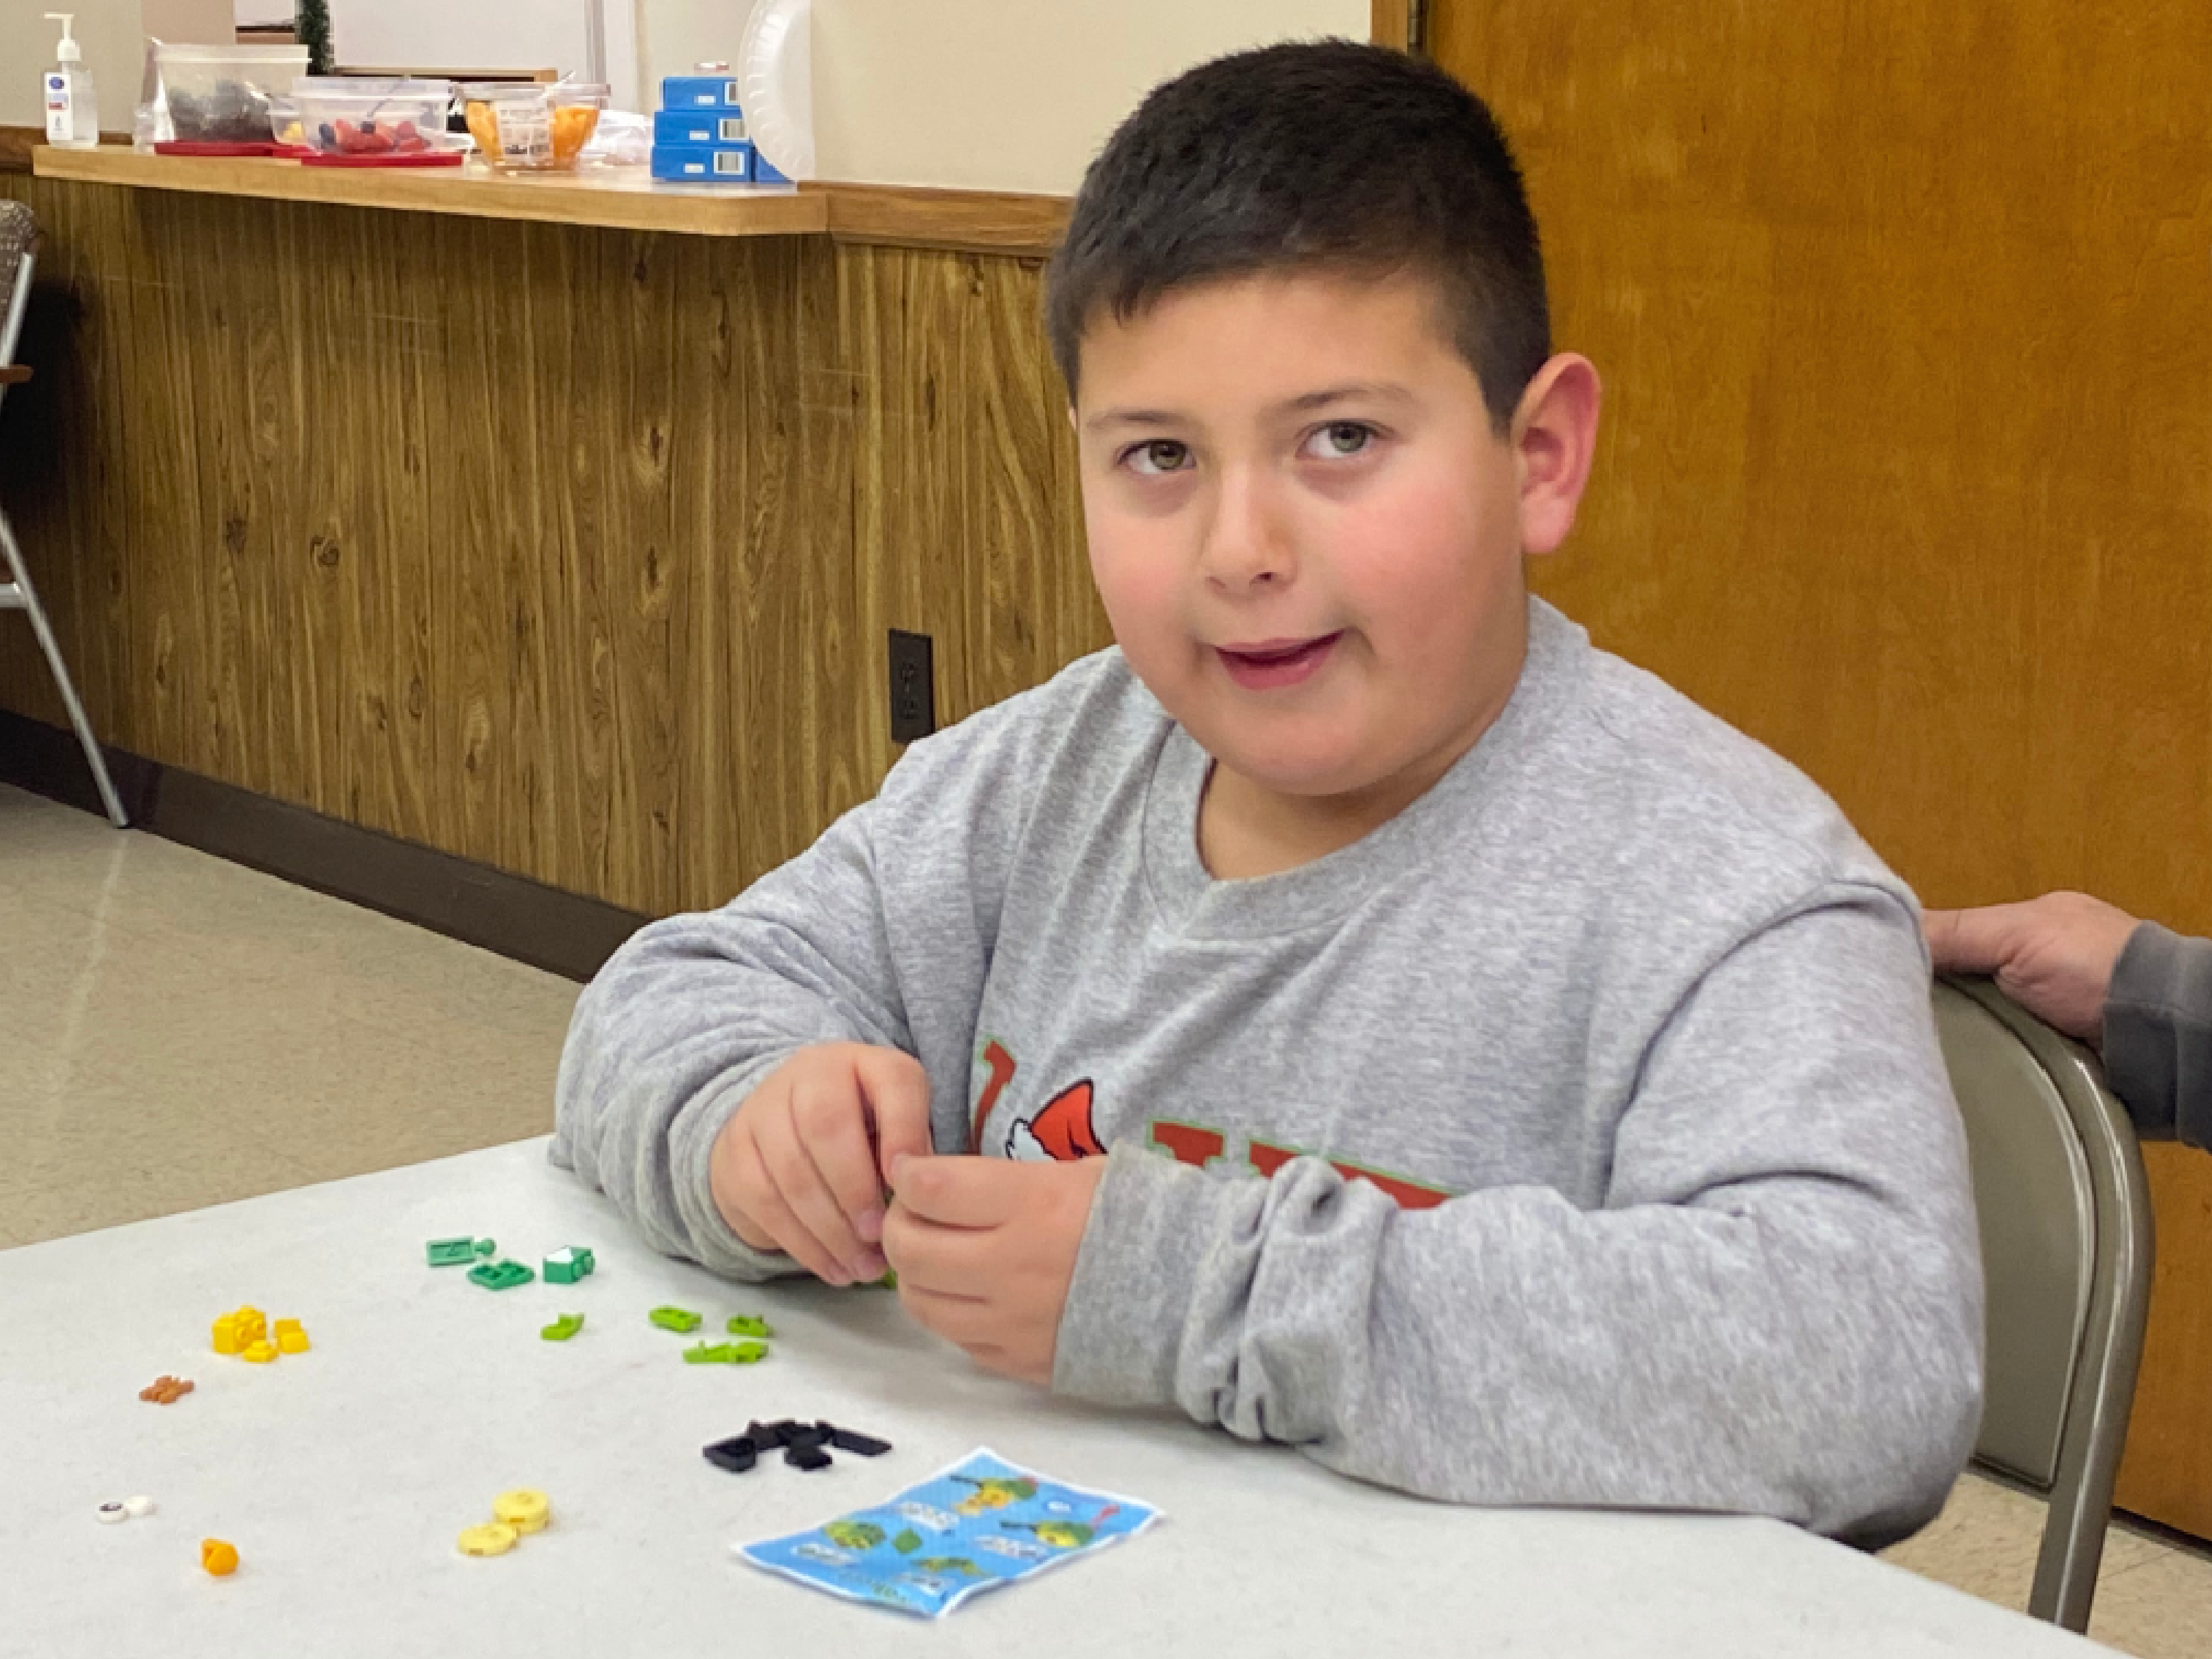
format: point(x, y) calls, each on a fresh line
point(563, 1328)
point(485, 1247)
point(567, 1266)
point(500, 1275)
point(451, 1252)
point(889, 1281)
point(680, 1319)
point(749, 1325)
point(725, 1353)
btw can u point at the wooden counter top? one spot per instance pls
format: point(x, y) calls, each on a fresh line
point(623, 200)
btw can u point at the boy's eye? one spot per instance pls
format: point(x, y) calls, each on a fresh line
point(1339, 438)
point(1157, 456)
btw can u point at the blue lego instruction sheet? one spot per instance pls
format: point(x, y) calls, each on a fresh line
point(979, 1525)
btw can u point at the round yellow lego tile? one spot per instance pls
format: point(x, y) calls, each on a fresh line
point(491, 1539)
point(523, 1510)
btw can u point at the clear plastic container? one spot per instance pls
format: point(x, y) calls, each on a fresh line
point(340, 117)
point(220, 94)
point(529, 127)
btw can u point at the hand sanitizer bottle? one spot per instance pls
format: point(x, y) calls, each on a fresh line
point(72, 110)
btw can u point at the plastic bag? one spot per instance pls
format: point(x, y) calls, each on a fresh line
point(776, 84)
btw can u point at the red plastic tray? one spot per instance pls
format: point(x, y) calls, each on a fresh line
point(195, 147)
point(427, 159)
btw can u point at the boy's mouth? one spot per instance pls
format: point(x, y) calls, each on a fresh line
point(1270, 665)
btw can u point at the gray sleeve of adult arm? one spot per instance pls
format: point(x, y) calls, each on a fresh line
point(1778, 1309)
point(2158, 1035)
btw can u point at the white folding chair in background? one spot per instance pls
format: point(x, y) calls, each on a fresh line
point(19, 235)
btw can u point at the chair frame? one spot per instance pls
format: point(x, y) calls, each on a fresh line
point(2108, 1350)
point(16, 592)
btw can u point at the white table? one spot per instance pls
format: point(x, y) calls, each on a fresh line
point(343, 1476)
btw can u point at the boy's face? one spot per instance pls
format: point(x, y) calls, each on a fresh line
point(1306, 532)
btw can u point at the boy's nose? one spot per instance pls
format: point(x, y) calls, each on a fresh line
point(1246, 544)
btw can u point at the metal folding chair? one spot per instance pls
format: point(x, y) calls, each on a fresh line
point(2066, 1244)
point(19, 235)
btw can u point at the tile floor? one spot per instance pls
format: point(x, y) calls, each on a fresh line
point(176, 1031)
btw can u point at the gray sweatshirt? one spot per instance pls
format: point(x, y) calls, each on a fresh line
point(1611, 1157)
point(2158, 1035)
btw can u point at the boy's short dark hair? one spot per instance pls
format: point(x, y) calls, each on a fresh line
point(1328, 156)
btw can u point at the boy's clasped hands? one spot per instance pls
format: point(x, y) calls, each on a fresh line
point(984, 1247)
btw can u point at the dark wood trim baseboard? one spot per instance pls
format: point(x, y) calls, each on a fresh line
point(962, 220)
point(562, 932)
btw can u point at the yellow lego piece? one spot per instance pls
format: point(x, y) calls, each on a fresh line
point(227, 1339)
point(291, 1338)
point(252, 1324)
point(525, 1510)
point(491, 1539)
point(260, 1351)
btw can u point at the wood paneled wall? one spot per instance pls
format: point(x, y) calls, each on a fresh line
point(1903, 312)
point(572, 551)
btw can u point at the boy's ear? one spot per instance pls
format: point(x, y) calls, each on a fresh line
point(1554, 438)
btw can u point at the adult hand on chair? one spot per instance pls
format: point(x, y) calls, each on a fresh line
point(2054, 955)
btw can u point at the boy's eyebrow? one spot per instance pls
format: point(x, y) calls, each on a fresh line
point(1304, 403)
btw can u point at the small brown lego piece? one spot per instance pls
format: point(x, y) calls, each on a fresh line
point(166, 1390)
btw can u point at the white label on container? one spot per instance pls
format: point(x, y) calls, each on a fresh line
point(733, 129)
point(525, 133)
point(729, 161)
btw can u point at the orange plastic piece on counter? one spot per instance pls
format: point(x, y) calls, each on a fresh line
point(166, 1390)
point(218, 1557)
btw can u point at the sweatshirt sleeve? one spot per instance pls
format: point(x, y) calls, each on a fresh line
point(2158, 1035)
point(1777, 1309)
point(879, 933)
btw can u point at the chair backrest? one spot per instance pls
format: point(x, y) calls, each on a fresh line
point(18, 234)
point(2066, 1247)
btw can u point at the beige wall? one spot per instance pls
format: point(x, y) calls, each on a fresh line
point(984, 94)
point(113, 34)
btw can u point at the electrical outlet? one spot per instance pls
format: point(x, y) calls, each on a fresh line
point(914, 687)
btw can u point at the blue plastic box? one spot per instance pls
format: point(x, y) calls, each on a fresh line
point(722, 164)
point(704, 126)
point(699, 92)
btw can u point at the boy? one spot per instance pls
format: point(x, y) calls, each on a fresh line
point(1584, 1051)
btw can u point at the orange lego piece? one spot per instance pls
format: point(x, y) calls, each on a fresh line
point(166, 1390)
point(218, 1557)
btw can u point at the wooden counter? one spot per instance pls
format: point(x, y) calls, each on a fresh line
point(554, 525)
point(618, 200)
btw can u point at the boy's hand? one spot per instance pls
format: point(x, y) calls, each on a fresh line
point(2054, 956)
point(800, 1167)
point(985, 1247)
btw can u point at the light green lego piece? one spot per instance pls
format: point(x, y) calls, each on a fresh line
point(680, 1319)
point(563, 1328)
point(451, 1252)
point(725, 1353)
point(749, 1325)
